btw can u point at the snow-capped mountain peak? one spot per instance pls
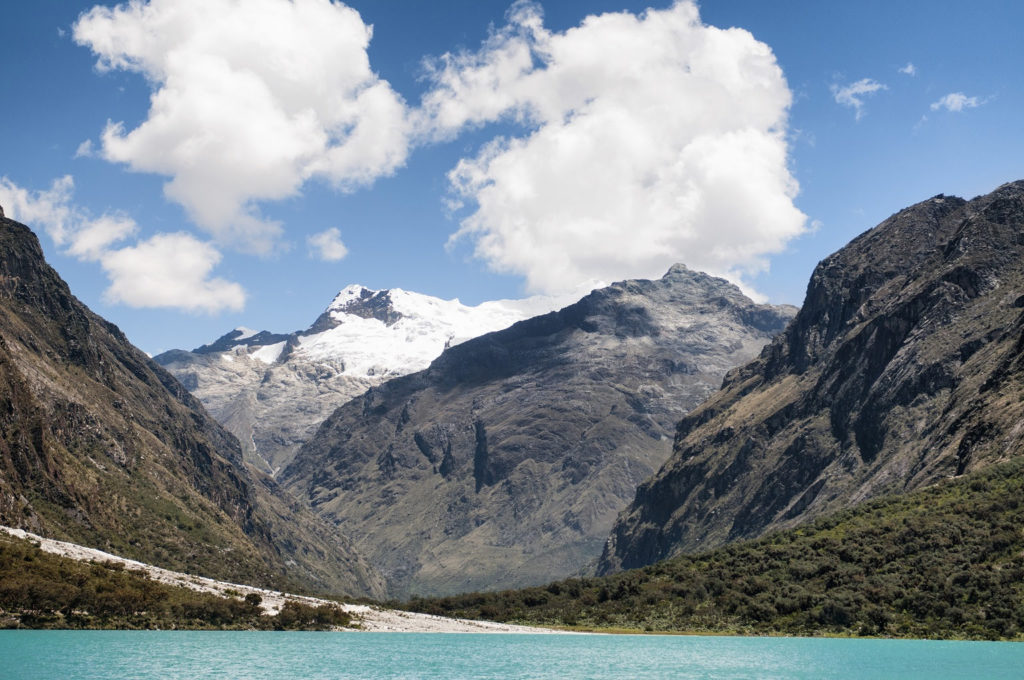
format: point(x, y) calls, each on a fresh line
point(383, 333)
point(273, 390)
point(365, 303)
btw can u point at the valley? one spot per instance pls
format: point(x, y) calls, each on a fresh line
point(670, 339)
point(856, 474)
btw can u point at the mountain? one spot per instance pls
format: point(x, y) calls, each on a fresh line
point(506, 461)
point(904, 366)
point(102, 447)
point(273, 390)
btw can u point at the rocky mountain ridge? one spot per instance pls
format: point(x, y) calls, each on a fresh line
point(101, 446)
point(273, 390)
point(506, 461)
point(904, 366)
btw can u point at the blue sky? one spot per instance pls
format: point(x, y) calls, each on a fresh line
point(588, 150)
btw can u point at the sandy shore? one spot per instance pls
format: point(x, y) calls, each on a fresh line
point(372, 619)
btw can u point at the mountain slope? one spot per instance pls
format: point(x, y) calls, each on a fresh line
point(100, 446)
point(903, 367)
point(272, 391)
point(506, 461)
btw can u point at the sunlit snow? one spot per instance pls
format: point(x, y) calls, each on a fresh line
point(369, 347)
point(269, 353)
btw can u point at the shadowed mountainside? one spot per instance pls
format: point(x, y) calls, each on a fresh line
point(506, 462)
point(903, 367)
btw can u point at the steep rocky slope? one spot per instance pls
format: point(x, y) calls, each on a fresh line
point(101, 446)
point(273, 390)
point(506, 461)
point(903, 367)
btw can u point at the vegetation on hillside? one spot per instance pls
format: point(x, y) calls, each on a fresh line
point(40, 590)
point(944, 562)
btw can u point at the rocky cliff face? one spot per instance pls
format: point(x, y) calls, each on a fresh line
point(905, 365)
point(505, 463)
point(273, 390)
point(101, 446)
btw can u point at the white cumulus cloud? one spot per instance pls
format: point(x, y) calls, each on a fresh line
point(170, 270)
point(49, 210)
point(853, 95)
point(909, 69)
point(166, 270)
point(95, 237)
point(956, 102)
point(251, 100)
point(649, 139)
point(327, 245)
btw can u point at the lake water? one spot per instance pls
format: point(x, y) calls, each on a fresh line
point(64, 655)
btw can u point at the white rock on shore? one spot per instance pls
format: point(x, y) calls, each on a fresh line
point(371, 619)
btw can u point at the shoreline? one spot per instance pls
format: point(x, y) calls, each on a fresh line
point(371, 618)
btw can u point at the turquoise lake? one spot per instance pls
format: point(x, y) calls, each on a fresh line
point(258, 655)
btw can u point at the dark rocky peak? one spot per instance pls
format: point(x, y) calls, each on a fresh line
point(24, 275)
point(324, 322)
point(635, 308)
point(845, 287)
point(693, 286)
point(626, 304)
point(357, 301)
point(710, 293)
point(32, 290)
point(685, 285)
point(241, 337)
point(372, 304)
point(967, 240)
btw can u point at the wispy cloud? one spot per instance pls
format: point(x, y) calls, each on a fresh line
point(853, 95)
point(956, 102)
point(49, 210)
point(94, 238)
point(85, 150)
point(327, 245)
point(909, 69)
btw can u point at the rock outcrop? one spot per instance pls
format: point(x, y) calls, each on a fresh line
point(904, 366)
point(506, 461)
point(101, 446)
